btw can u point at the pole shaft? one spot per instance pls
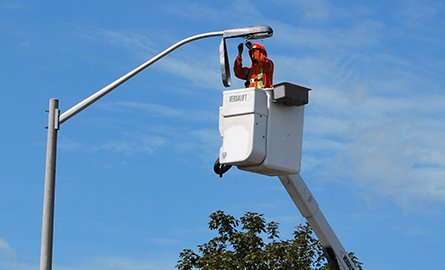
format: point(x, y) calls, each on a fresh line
point(46, 252)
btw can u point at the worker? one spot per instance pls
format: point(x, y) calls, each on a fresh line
point(260, 73)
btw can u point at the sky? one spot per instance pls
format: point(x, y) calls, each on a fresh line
point(135, 182)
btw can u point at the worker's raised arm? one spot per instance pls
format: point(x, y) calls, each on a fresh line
point(240, 71)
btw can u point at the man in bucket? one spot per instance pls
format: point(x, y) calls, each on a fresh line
point(260, 73)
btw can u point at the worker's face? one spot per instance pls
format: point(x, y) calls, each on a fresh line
point(255, 55)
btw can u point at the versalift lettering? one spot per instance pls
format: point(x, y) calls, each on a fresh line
point(238, 98)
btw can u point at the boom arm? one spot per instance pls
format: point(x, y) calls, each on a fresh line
point(308, 206)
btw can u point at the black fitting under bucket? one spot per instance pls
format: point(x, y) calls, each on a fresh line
point(221, 169)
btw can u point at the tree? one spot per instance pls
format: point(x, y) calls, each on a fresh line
point(243, 248)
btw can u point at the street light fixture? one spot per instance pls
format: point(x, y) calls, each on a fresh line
point(55, 120)
point(252, 32)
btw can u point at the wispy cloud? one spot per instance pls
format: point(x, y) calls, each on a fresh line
point(373, 120)
point(112, 263)
point(150, 139)
point(13, 6)
point(195, 67)
point(5, 248)
point(128, 145)
point(147, 144)
point(419, 10)
point(129, 40)
point(388, 146)
point(188, 115)
point(164, 241)
point(195, 130)
point(8, 257)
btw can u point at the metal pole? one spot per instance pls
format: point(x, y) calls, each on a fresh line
point(50, 182)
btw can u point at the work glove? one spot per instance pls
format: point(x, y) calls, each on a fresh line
point(240, 49)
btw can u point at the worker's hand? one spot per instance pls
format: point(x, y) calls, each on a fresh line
point(240, 49)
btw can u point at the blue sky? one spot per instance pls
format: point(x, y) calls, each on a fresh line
point(134, 175)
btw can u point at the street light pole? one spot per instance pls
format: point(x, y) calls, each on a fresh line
point(54, 121)
point(50, 182)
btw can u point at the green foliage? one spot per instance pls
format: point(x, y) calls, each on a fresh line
point(243, 248)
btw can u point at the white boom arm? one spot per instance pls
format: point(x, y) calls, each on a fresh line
point(309, 208)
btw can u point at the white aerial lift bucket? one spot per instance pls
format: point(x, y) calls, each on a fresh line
point(262, 129)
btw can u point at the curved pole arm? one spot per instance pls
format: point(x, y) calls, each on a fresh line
point(107, 89)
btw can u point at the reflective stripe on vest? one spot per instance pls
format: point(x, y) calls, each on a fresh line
point(258, 79)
